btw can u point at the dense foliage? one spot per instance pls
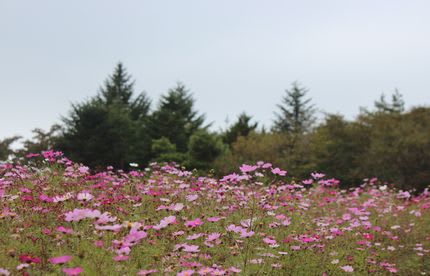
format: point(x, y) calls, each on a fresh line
point(117, 127)
point(59, 218)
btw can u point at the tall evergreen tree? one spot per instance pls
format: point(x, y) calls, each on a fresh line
point(242, 127)
point(109, 129)
point(175, 118)
point(296, 113)
point(397, 104)
point(118, 87)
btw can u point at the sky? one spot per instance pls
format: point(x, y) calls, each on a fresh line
point(234, 56)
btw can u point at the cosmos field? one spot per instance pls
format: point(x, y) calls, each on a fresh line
point(60, 218)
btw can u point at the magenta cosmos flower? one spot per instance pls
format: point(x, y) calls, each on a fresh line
point(72, 270)
point(194, 223)
point(60, 259)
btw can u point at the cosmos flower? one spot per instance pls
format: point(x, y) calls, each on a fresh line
point(247, 168)
point(278, 171)
point(71, 271)
point(186, 273)
point(120, 258)
point(147, 271)
point(347, 268)
point(84, 196)
point(80, 214)
point(60, 259)
point(193, 223)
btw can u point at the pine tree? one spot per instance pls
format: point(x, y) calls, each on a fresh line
point(397, 104)
point(118, 87)
point(175, 118)
point(296, 113)
point(109, 129)
point(242, 127)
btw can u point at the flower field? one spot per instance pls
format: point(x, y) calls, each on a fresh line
point(58, 218)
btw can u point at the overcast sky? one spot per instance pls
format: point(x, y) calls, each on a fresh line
point(234, 55)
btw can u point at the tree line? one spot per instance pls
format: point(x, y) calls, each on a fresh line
point(117, 128)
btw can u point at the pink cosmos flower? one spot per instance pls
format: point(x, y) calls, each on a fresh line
point(246, 223)
point(114, 228)
point(269, 241)
point(191, 197)
point(84, 196)
point(29, 259)
point(186, 273)
point(307, 181)
point(98, 243)
point(45, 198)
point(191, 248)
point(165, 222)
point(147, 271)
point(213, 219)
point(392, 269)
point(205, 270)
point(218, 271)
point(83, 169)
point(193, 223)
point(31, 155)
point(286, 222)
point(246, 234)
point(134, 236)
point(105, 218)
point(266, 165)
point(4, 272)
point(176, 207)
point(64, 230)
point(247, 168)
point(280, 216)
point(347, 268)
point(346, 216)
point(21, 266)
point(120, 258)
point(404, 195)
point(213, 236)
point(194, 236)
point(124, 250)
point(317, 175)
point(235, 269)
point(178, 233)
point(72, 270)
point(60, 259)
point(80, 214)
point(234, 228)
point(278, 171)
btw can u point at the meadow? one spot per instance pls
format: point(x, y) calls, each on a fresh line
point(60, 218)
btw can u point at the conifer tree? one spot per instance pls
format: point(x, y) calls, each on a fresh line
point(110, 128)
point(242, 127)
point(296, 113)
point(175, 118)
point(397, 104)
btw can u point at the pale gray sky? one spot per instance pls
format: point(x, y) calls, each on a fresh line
point(235, 55)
